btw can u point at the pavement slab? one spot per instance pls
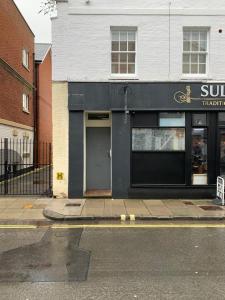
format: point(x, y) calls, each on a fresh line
point(114, 208)
point(136, 207)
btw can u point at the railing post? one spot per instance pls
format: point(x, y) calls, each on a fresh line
point(6, 175)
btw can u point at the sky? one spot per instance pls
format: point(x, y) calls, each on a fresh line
point(39, 23)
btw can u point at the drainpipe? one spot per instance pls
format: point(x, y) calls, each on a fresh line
point(36, 113)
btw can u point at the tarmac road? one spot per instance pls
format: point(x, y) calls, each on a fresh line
point(112, 263)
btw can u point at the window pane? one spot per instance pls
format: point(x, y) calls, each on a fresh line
point(199, 119)
point(203, 35)
point(172, 119)
point(131, 58)
point(115, 46)
point(131, 46)
point(123, 68)
point(115, 68)
point(202, 68)
point(123, 46)
point(186, 58)
point(195, 46)
point(186, 68)
point(115, 35)
point(123, 57)
point(199, 153)
point(194, 68)
point(195, 35)
point(123, 36)
point(115, 57)
point(203, 46)
point(131, 68)
point(158, 139)
point(194, 58)
point(187, 35)
point(187, 46)
point(221, 118)
point(202, 58)
point(131, 36)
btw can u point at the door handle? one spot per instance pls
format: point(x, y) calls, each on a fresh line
point(110, 153)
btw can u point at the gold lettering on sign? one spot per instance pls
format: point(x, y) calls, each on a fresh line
point(213, 103)
point(185, 97)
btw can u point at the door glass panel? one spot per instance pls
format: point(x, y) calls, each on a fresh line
point(199, 156)
point(222, 152)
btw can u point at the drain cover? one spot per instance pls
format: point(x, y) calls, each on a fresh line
point(210, 207)
point(73, 204)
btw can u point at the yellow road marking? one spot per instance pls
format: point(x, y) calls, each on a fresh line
point(83, 226)
point(65, 226)
point(18, 226)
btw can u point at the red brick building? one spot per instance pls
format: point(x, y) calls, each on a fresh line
point(43, 83)
point(16, 74)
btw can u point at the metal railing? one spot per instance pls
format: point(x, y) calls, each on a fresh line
point(25, 167)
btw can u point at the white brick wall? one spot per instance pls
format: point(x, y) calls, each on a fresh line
point(81, 37)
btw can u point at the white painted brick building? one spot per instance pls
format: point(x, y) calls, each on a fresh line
point(82, 38)
point(131, 48)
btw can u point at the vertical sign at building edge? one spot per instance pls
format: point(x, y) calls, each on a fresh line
point(220, 190)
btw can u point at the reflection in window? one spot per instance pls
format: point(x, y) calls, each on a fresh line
point(199, 155)
point(158, 139)
point(172, 119)
point(199, 119)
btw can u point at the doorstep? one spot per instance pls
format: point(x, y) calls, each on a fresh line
point(132, 209)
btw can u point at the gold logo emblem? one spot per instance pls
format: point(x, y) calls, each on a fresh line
point(182, 97)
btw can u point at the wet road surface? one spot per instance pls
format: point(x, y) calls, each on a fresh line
point(112, 263)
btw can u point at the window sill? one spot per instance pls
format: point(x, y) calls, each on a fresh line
point(123, 77)
point(26, 111)
point(195, 77)
point(26, 67)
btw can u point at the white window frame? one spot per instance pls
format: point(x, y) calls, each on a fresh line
point(196, 75)
point(25, 103)
point(25, 58)
point(123, 75)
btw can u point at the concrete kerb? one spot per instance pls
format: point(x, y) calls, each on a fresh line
point(58, 217)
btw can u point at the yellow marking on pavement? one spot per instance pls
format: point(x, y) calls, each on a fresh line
point(67, 226)
point(132, 217)
point(28, 205)
point(6, 226)
point(123, 217)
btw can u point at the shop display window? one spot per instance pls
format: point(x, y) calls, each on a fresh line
point(199, 155)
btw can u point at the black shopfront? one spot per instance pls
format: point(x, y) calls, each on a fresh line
point(167, 139)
